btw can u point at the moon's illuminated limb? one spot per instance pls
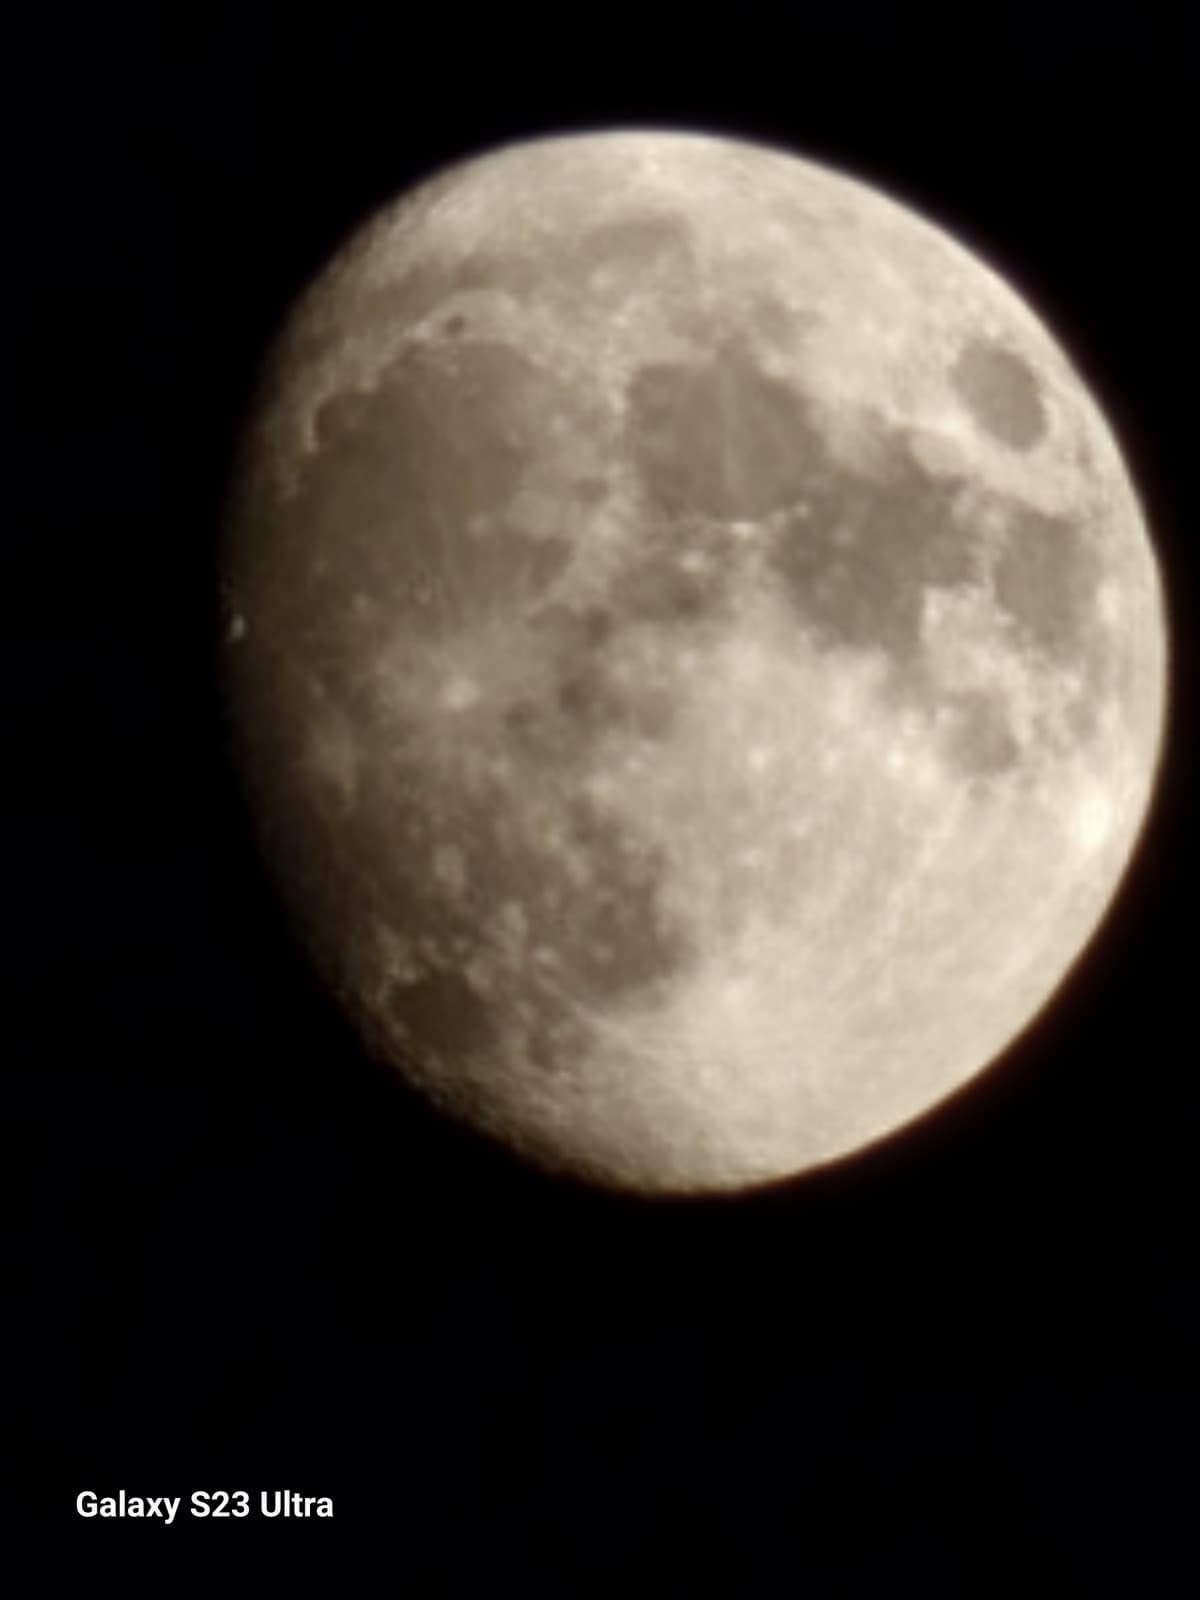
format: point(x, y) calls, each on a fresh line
point(698, 654)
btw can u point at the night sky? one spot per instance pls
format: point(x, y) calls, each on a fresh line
point(248, 1259)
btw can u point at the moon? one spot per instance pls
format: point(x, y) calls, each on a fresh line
point(695, 651)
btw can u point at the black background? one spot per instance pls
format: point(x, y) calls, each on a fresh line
point(248, 1259)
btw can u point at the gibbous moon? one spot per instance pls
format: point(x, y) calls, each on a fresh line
point(696, 652)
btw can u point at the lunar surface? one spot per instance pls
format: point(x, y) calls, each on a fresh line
point(696, 654)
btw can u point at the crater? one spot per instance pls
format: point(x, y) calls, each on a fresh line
point(418, 292)
point(1000, 391)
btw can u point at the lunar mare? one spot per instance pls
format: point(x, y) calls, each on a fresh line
point(696, 654)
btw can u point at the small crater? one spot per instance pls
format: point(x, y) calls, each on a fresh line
point(339, 414)
point(1000, 391)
